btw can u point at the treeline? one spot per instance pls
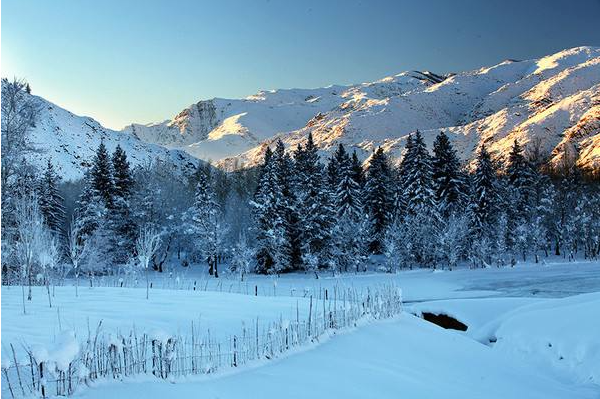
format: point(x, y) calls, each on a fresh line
point(429, 211)
point(294, 212)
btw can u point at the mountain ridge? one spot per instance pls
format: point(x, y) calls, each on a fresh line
point(490, 105)
point(552, 103)
point(70, 142)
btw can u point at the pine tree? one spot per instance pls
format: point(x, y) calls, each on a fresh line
point(123, 179)
point(315, 213)
point(422, 215)
point(283, 169)
point(120, 217)
point(418, 182)
point(348, 201)
point(349, 235)
point(101, 175)
point(378, 198)
point(204, 216)
point(485, 201)
point(51, 201)
point(94, 207)
point(273, 248)
point(449, 181)
point(357, 170)
point(399, 203)
point(520, 195)
point(339, 158)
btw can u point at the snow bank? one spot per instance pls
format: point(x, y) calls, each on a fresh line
point(561, 336)
point(564, 333)
point(403, 358)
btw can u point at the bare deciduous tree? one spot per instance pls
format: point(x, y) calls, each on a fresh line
point(48, 257)
point(19, 113)
point(30, 231)
point(76, 249)
point(146, 246)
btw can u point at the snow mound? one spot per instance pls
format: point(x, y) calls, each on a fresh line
point(561, 332)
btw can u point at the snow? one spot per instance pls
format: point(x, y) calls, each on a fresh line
point(540, 317)
point(477, 314)
point(70, 141)
point(560, 335)
point(406, 357)
point(65, 350)
point(563, 333)
point(496, 105)
point(167, 312)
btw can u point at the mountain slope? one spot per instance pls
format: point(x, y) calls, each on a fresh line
point(550, 103)
point(70, 141)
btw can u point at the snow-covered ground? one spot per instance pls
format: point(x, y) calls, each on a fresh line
point(122, 309)
point(406, 357)
point(533, 331)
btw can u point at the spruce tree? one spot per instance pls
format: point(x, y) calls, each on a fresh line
point(204, 217)
point(484, 207)
point(449, 182)
point(273, 248)
point(357, 170)
point(520, 195)
point(422, 217)
point(348, 202)
point(349, 234)
point(378, 198)
point(101, 175)
point(121, 218)
point(399, 203)
point(283, 169)
point(315, 211)
point(123, 179)
point(50, 200)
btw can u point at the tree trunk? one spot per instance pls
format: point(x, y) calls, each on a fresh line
point(48, 291)
point(30, 281)
point(23, 292)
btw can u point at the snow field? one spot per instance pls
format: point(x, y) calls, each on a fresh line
point(404, 357)
point(166, 355)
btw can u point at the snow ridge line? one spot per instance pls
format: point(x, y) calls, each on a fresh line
point(105, 356)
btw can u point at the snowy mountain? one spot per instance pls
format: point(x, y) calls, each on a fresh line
point(552, 103)
point(70, 141)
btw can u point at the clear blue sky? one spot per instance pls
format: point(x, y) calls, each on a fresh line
point(123, 61)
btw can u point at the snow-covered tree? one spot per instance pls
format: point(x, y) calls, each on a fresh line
point(273, 247)
point(241, 258)
point(76, 248)
point(120, 216)
point(49, 258)
point(204, 219)
point(485, 201)
point(146, 245)
point(451, 240)
point(519, 200)
point(51, 201)
point(448, 180)
point(378, 198)
point(19, 115)
point(30, 243)
point(315, 210)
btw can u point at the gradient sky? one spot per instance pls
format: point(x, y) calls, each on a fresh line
point(123, 61)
